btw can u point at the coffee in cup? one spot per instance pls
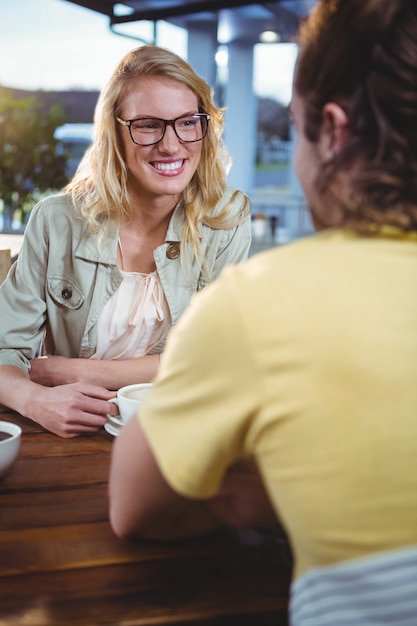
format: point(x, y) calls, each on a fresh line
point(10, 437)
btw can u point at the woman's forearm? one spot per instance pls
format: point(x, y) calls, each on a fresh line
point(16, 388)
point(111, 374)
point(115, 374)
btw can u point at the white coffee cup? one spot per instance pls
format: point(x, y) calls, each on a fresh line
point(10, 437)
point(128, 401)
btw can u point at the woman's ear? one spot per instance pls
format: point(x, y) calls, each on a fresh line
point(334, 130)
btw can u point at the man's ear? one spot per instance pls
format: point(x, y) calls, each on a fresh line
point(334, 130)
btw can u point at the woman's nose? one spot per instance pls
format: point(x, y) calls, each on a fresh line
point(170, 140)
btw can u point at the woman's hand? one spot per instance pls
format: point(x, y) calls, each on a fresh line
point(72, 410)
point(66, 410)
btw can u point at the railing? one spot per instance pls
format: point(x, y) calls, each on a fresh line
point(278, 217)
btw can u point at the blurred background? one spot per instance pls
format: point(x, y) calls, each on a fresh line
point(57, 55)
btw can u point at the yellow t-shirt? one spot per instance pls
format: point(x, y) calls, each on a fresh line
point(306, 358)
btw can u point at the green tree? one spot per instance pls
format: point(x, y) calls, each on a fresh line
point(30, 160)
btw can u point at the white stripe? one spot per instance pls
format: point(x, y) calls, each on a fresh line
point(374, 591)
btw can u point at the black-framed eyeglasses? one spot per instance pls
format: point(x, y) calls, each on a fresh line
point(147, 131)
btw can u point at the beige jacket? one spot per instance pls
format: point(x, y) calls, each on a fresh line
point(56, 291)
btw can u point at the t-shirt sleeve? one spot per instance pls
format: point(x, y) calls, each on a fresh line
point(199, 412)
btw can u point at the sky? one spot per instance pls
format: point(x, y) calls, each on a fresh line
point(57, 45)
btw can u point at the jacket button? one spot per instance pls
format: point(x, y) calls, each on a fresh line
point(173, 251)
point(66, 294)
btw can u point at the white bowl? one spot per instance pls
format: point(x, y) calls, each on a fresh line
point(9, 448)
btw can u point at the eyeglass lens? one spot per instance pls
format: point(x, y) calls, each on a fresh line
point(146, 131)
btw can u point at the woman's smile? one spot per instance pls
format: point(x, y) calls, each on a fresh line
point(170, 168)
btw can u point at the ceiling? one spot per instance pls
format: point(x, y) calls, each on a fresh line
point(235, 20)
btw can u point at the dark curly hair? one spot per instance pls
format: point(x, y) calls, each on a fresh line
point(362, 54)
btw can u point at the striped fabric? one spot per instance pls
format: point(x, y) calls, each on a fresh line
point(375, 591)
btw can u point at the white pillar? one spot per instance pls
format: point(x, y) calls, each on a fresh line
point(240, 118)
point(202, 48)
point(239, 99)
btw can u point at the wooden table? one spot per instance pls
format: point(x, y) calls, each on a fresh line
point(61, 564)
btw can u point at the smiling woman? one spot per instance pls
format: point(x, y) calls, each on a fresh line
point(108, 266)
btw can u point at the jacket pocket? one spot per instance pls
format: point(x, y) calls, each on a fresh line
point(64, 292)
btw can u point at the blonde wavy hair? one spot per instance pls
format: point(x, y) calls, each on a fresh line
point(99, 186)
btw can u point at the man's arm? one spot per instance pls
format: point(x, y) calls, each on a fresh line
point(142, 503)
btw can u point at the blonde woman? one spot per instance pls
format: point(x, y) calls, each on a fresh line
point(108, 266)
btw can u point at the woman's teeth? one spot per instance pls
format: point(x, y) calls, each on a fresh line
point(168, 167)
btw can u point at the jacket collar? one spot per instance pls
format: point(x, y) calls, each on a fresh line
point(97, 248)
point(93, 247)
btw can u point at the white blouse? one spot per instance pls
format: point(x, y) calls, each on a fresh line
point(134, 320)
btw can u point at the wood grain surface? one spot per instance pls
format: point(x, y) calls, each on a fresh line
point(60, 563)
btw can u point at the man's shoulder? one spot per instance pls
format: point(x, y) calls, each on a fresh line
point(291, 267)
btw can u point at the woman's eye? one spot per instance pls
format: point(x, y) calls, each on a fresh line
point(186, 123)
point(145, 125)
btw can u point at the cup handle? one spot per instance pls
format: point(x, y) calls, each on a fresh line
point(114, 401)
